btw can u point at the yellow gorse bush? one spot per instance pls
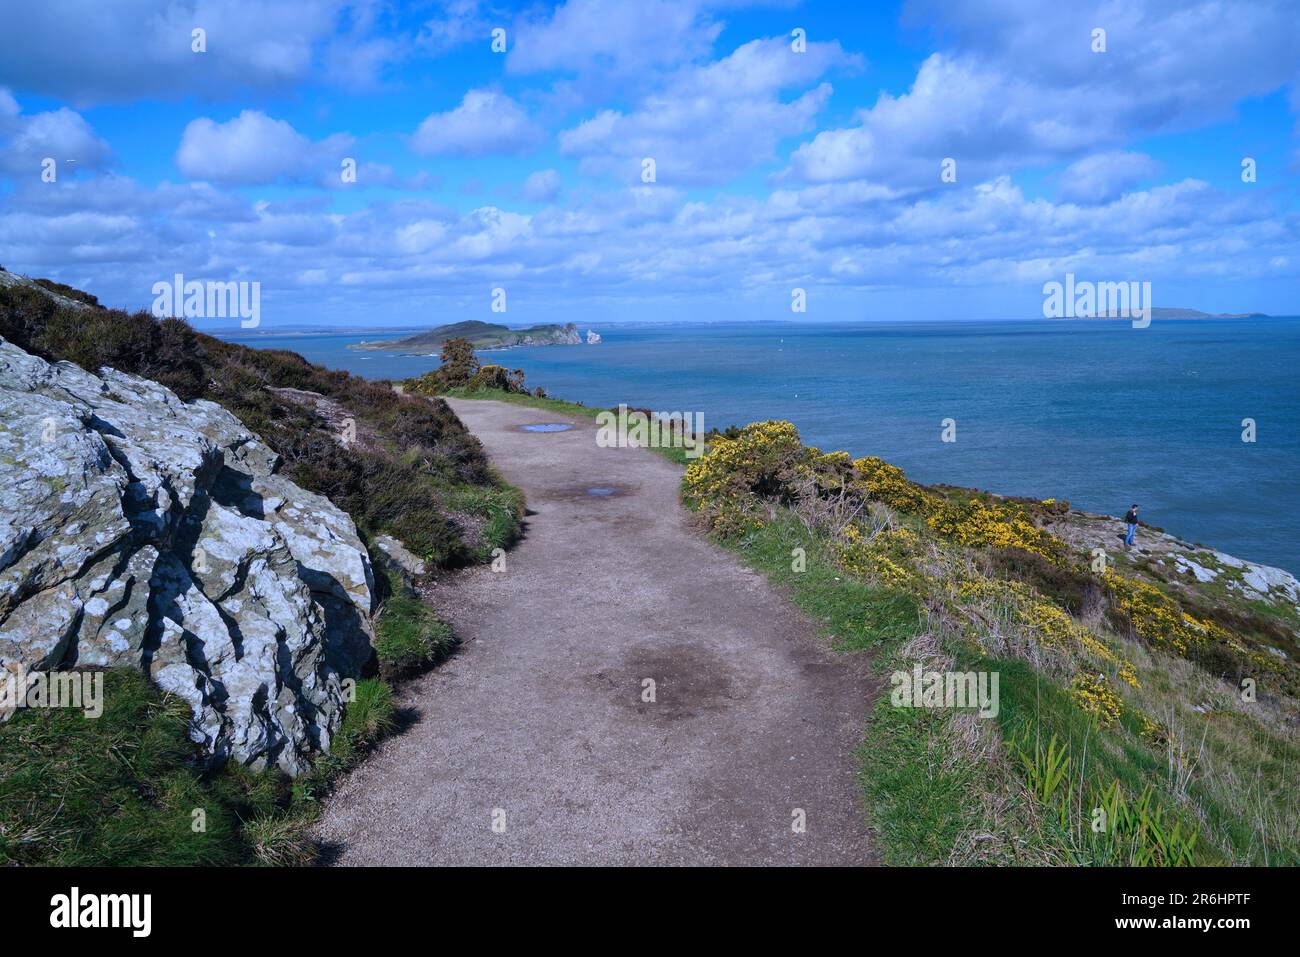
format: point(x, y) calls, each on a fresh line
point(1153, 732)
point(1093, 695)
point(767, 458)
point(1047, 623)
point(1159, 619)
point(870, 561)
point(830, 470)
point(761, 460)
point(976, 524)
point(886, 483)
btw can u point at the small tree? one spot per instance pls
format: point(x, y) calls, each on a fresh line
point(459, 364)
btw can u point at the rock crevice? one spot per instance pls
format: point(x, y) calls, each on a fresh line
point(139, 530)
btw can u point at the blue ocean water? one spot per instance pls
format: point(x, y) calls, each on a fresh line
point(1096, 412)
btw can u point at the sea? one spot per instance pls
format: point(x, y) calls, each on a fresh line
point(1096, 412)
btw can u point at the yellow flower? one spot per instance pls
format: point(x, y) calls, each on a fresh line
point(1159, 619)
point(1093, 695)
point(976, 524)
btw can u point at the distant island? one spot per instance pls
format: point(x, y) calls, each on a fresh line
point(1160, 312)
point(481, 335)
point(1172, 312)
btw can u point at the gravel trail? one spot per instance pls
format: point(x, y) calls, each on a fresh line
point(539, 725)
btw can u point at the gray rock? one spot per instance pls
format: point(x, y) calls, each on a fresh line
point(398, 557)
point(140, 530)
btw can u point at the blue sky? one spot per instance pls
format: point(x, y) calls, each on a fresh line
point(775, 168)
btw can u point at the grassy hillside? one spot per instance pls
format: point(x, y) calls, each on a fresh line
point(412, 479)
point(1140, 721)
point(124, 788)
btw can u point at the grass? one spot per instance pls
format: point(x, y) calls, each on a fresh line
point(497, 508)
point(1097, 769)
point(409, 637)
point(918, 803)
point(130, 789)
point(119, 789)
point(942, 786)
point(850, 613)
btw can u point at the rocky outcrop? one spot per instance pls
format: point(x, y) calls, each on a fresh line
point(139, 530)
point(1181, 561)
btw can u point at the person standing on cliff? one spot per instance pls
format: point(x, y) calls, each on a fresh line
point(1131, 520)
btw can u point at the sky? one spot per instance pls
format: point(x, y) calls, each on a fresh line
point(606, 160)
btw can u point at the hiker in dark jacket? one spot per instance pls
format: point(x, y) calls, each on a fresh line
point(1131, 520)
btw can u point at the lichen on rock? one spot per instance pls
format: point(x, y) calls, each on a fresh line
point(139, 530)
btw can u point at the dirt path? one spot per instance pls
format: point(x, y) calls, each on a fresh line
point(540, 719)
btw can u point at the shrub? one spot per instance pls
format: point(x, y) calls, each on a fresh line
point(1069, 587)
point(69, 291)
point(762, 460)
point(1157, 618)
point(458, 362)
point(496, 377)
point(882, 559)
point(1045, 623)
point(973, 523)
point(886, 483)
point(1093, 695)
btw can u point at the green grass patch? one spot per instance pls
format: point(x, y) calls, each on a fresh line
point(919, 803)
point(409, 637)
point(129, 788)
point(499, 507)
point(120, 789)
point(370, 716)
point(850, 613)
point(1100, 770)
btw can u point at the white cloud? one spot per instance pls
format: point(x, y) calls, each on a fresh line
point(1022, 87)
point(89, 51)
point(613, 36)
point(62, 135)
point(254, 148)
point(858, 207)
point(1102, 177)
point(543, 186)
point(457, 22)
point(484, 123)
point(711, 122)
point(640, 243)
